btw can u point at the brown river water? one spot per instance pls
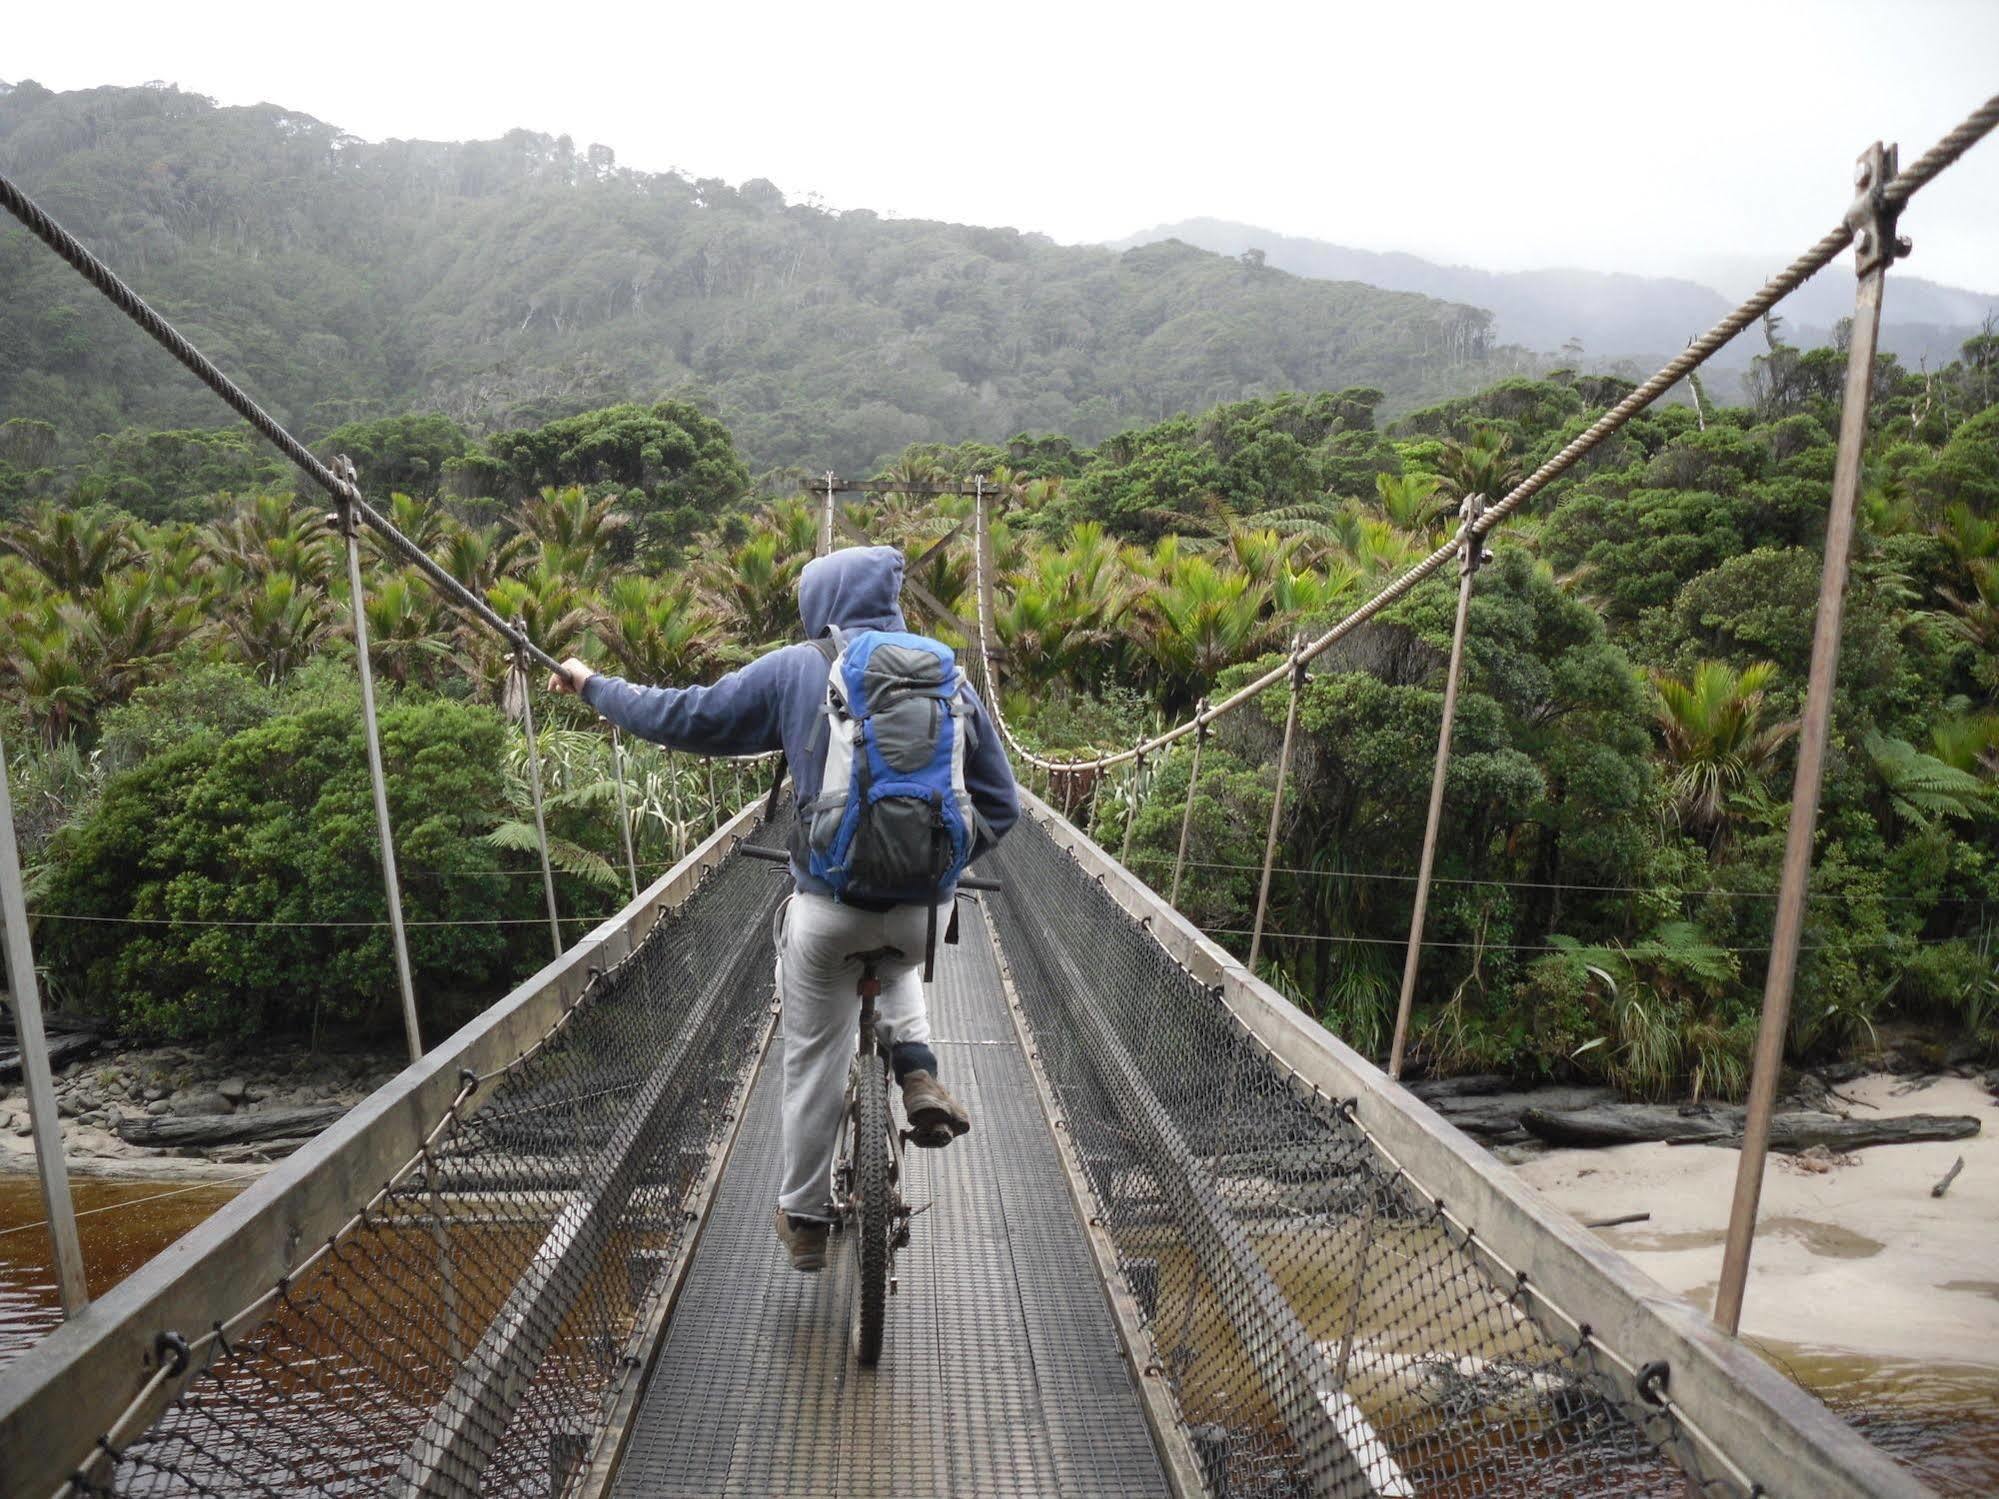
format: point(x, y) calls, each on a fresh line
point(1941, 1419)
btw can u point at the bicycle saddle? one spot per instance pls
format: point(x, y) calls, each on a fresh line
point(875, 955)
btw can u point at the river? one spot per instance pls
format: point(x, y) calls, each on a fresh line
point(1941, 1418)
point(116, 1241)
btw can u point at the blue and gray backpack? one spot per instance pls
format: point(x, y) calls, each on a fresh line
point(892, 823)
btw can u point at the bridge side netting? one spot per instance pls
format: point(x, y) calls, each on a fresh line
point(1323, 1328)
point(471, 1333)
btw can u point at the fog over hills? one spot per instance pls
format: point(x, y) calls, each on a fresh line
point(1616, 315)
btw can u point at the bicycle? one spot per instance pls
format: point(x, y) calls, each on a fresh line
point(868, 1204)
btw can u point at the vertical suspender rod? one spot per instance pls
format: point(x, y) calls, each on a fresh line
point(35, 1077)
point(519, 666)
point(1471, 552)
point(350, 532)
point(1277, 802)
point(1875, 246)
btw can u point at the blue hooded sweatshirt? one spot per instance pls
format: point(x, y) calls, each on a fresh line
point(774, 702)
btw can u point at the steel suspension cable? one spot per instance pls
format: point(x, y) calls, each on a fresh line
point(1896, 192)
point(345, 493)
point(1975, 127)
point(135, 307)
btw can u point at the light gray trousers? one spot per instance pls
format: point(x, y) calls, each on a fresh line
point(816, 974)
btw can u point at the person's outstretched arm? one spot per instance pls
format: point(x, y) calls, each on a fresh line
point(737, 715)
point(989, 778)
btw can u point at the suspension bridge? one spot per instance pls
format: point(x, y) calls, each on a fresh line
point(1195, 1245)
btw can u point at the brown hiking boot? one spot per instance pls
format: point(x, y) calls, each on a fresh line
point(805, 1238)
point(935, 1117)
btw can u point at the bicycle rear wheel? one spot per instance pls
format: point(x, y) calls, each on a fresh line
point(873, 1217)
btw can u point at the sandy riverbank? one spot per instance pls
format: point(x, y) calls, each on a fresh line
point(1857, 1257)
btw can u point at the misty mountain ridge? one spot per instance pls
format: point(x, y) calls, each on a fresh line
point(1614, 314)
point(508, 282)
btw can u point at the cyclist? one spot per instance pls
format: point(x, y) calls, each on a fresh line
point(777, 702)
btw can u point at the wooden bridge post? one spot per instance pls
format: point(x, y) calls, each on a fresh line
point(1471, 552)
point(350, 530)
point(1875, 246)
point(520, 658)
point(1277, 800)
point(36, 1081)
point(1187, 815)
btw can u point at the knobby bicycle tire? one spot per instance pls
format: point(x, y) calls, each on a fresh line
point(874, 1215)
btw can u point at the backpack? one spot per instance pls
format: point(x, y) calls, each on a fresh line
point(892, 823)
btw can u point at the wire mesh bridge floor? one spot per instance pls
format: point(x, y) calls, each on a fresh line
point(1002, 1372)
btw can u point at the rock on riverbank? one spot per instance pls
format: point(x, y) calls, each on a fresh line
point(134, 1090)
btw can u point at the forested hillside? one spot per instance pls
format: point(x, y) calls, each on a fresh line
point(185, 750)
point(564, 379)
point(504, 283)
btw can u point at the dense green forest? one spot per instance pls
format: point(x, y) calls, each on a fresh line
point(185, 752)
point(506, 283)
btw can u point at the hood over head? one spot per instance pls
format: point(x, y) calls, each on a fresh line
point(856, 588)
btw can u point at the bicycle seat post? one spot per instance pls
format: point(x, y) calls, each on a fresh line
point(869, 987)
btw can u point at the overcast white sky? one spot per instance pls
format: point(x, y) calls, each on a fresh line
point(1614, 136)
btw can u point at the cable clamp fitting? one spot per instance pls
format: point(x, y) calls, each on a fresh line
point(171, 1349)
point(344, 519)
point(1872, 220)
point(1652, 1381)
point(1472, 552)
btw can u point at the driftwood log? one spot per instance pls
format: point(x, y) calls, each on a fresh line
point(229, 1129)
point(1471, 1085)
point(1721, 1124)
point(63, 1049)
point(1617, 1222)
point(1795, 1132)
point(1629, 1124)
point(1948, 1177)
point(1496, 1115)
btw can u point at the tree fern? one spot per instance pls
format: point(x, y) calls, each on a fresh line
point(1922, 788)
point(570, 858)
